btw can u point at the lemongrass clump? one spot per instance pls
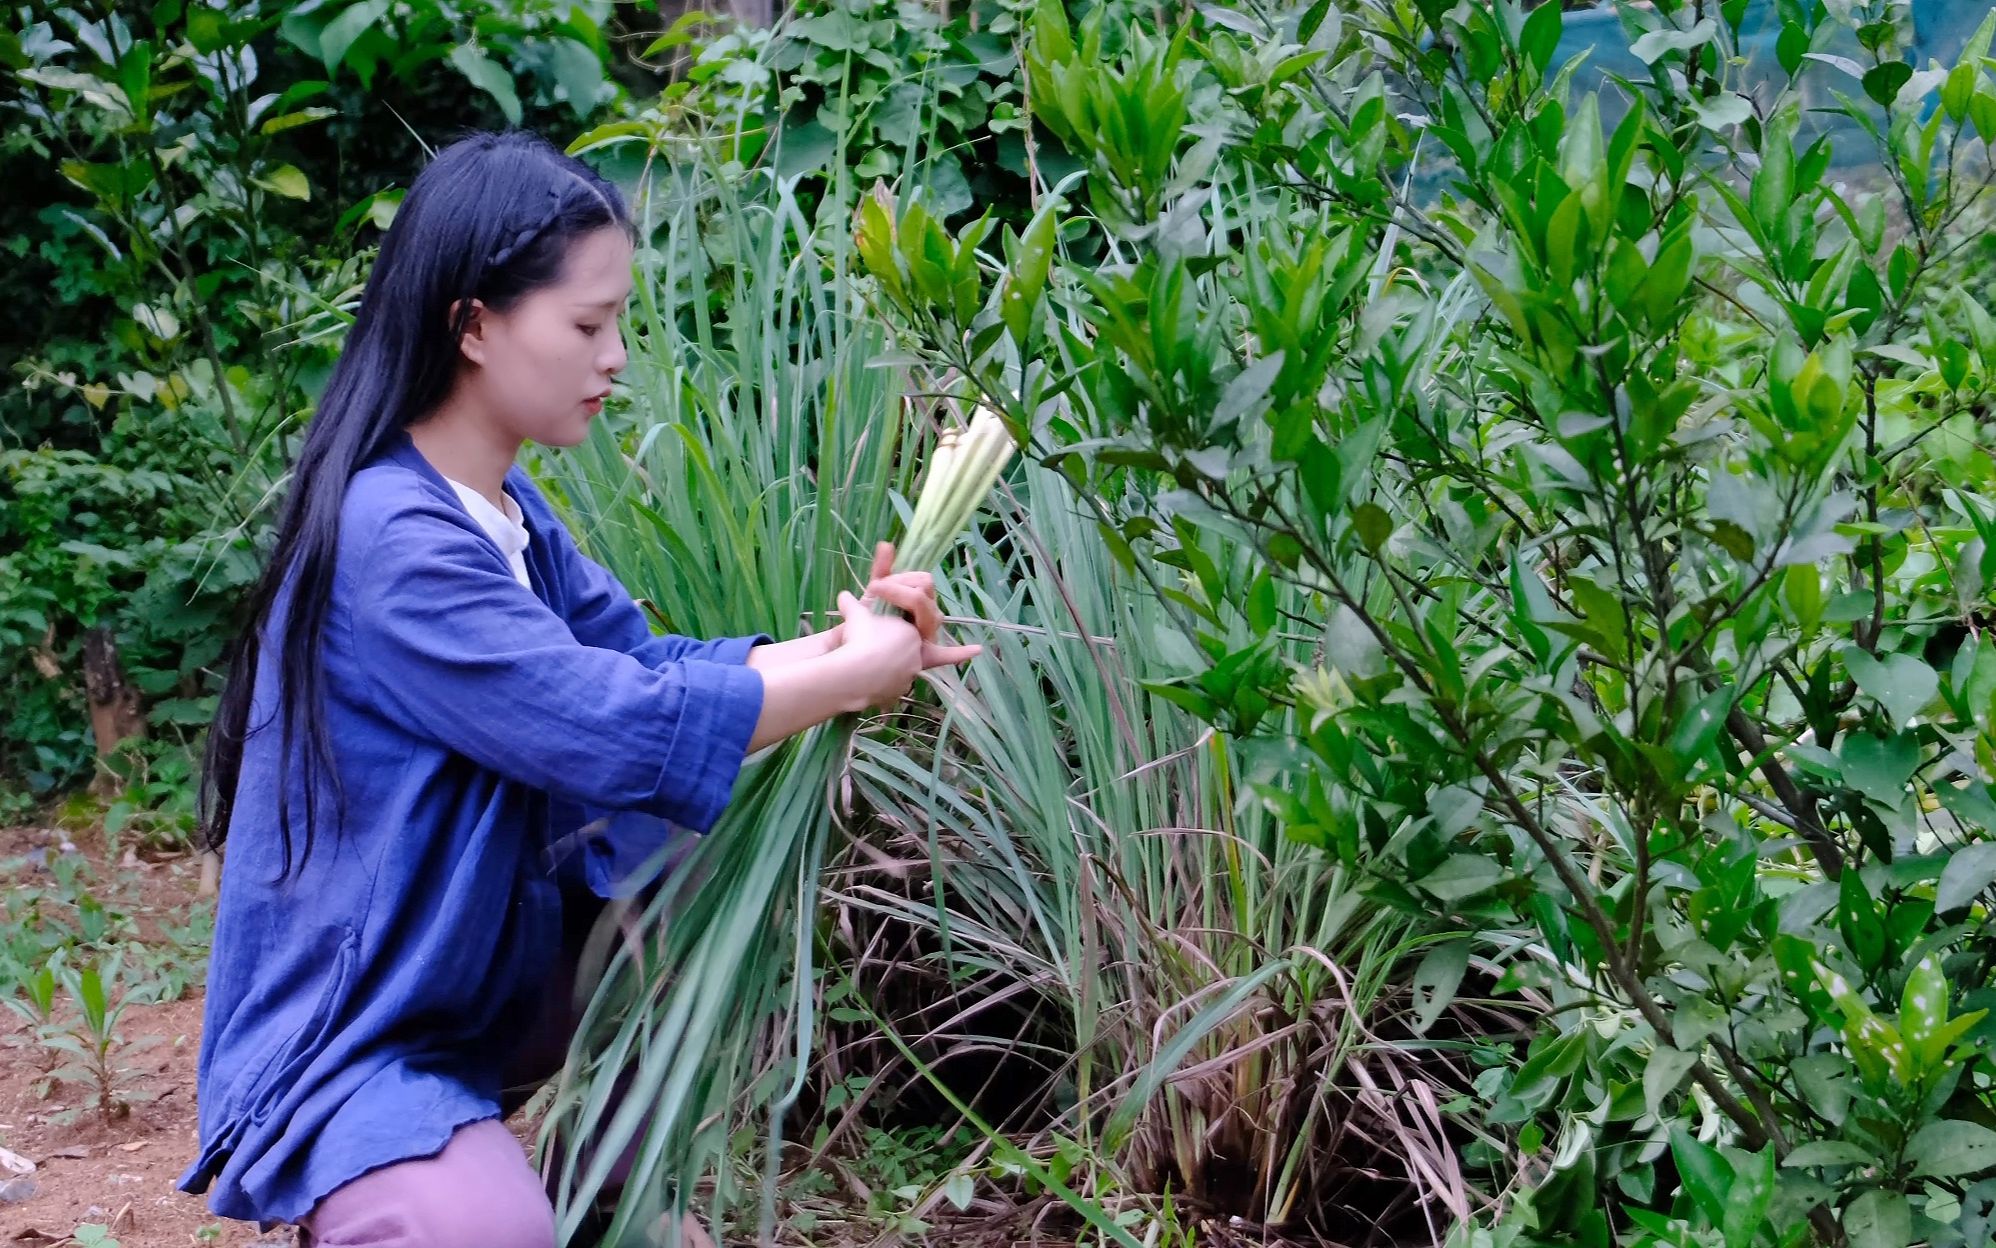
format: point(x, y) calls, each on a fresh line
point(663, 1062)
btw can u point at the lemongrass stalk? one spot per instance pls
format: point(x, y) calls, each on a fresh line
point(951, 497)
point(942, 463)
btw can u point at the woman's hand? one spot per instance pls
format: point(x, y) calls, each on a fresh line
point(914, 593)
point(882, 653)
point(890, 650)
point(868, 660)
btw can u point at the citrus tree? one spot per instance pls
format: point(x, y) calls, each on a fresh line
point(1637, 474)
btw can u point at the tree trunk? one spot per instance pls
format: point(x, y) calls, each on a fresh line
point(115, 711)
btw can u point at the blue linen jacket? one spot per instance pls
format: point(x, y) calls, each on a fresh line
point(359, 1011)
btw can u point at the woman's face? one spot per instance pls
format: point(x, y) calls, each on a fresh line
point(542, 367)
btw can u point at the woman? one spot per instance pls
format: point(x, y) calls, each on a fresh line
point(436, 695)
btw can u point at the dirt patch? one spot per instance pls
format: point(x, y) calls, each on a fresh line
point(116, 1172)
point(119, 1171)
point(92, 1169)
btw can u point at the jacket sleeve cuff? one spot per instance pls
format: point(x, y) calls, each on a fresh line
point(735, 650)
point(723, 703)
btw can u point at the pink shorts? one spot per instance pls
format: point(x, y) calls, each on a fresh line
point(479, 1192)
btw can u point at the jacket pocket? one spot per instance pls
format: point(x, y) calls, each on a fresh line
point(288, 1060)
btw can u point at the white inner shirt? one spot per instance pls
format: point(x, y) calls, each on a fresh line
point(508, 528)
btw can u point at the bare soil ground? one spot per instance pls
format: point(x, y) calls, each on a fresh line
point(89, 1169)
point(119, 1172)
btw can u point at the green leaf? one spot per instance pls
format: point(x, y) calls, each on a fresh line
point(1879, 768)
point(286, 180)
point(1882, 82)
point(135, 77)
point(1312, 21)
point(1829, 1153)
point(945, 185)
point(608, 133)
point(578, 71)
point(1857, 919)
point(1372, 524)
point(1563, 236)
point(1462, 875)
point(1668, 277)
point(1900, 683)
point(1968, 872)
point(1802, 590)
point(1951, 1148)
point(90, 995)
point(96, 90)
point(378, 208)
point(1978, 43)
point(805, 148)
point(1653, 46)
point(1747, 1202)
point(305, 31)
point(1705, 1173)
point(289, 121)
point(1699, 727)
point(1540, 37)
point(1436, 980)
point(1247, 392)
point(341, 33)
point(159, 322)
point(1923, 1004)
point(1982, 113)
point(958, 1189)
point(489, 77)
point(1843, 63)
point(1663, 1074)
point(1789, 47)
point(1453, 808)
point(1958, 90)
point(1879, 1219)
point(1725, 109)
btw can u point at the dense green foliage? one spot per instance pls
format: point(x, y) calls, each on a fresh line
point(1640, 486)
point(193, 188)
point(201, 184)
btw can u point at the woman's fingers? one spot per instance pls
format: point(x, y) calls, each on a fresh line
point(921, 582)
point(883, 562)
point(934, 656)
point(916, 597)
point(849, 609)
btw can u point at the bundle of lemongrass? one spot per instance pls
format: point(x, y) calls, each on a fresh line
point(962, 469)
point(662, 1073)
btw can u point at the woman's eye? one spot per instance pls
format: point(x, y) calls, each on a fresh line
point(589, 331)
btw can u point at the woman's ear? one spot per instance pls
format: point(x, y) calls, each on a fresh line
point(471, 343)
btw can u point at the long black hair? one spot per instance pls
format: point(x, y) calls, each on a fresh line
point(490, 218)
